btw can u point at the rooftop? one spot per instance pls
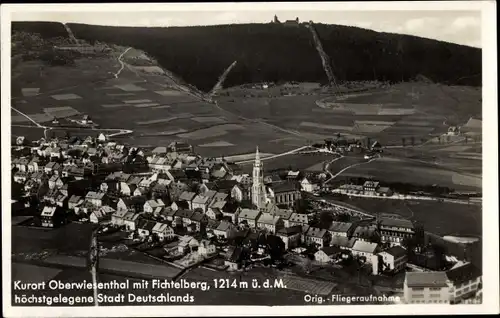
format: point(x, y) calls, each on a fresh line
point(426, 279)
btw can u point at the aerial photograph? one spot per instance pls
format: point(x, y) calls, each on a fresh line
point(246, 158)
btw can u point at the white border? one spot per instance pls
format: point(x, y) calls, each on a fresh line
point(490, 162)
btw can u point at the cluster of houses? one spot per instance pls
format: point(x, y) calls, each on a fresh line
point(171, 192)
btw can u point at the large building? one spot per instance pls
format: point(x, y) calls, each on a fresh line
point(426, 288)
point(394, 231)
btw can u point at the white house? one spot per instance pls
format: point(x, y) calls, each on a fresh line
point(393, 259)
point(163, 231)
point(206, 248)
point(153, 205)
point(306, 186)
point(365, 249)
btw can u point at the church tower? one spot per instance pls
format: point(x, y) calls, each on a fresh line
point(258, 189)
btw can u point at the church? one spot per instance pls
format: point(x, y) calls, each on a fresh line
point(260, 196)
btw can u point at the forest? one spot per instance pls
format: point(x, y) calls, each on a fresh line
point(276, 53)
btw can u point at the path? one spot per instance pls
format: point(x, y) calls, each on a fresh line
point(121, 62)
point(352, 166)
point(328, 170)
point(274, 156)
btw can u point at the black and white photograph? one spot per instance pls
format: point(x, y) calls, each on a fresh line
point(306, 159)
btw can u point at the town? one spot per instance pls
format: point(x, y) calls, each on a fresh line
point(189, 211)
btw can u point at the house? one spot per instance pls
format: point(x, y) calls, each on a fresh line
point(238, 191)
point(182, 218)
point(298, 219)
point(343, 242)
point(206, 248)
point(145, 227)
point(218, 197)
point(392, 260)
point(367, 233)
point(249, 216)
point(140, 192)
point(202, 201)
point(199, 220)
point(52, 216)
point(168, 213)
point(96, 198)
point(285, 193)
point(285, 215)
point(130, 220)
point(163, 231)
point(225, 230)
point(74, 201)
point(214, 212)
point(290, 236)
point(131, 204)
point(188, 197)
point(370, 187)
point(55, 182)
point(127, 189)
point(187, 243)
point(109, 185)
point(340, 229)
point(394, 231)
point(52, 168)
point(426, 288)
point(384, 192)
point(231, 210)
point(306, 185)
point(117, 217)
point(365, 250)
point(234, 258)
point(328, 254)
point(465, 281)
point(269, 222)
point(102, 214)
point(317, 236)
point(153, 205)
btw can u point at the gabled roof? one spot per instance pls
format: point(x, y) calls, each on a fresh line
point(187, 196)
point(299, 218)
point(224, 226)
point(342, 241)
point(288, 231)
point(316, 232)
point(249, 214)
point(396, 251)
point(331, 250)
point(426, 279)
point(155, 203)
point(340, 227)
point(130, 216)
point(366, 247)
point(48, 211)
point(160, 227)
point(268, 219)
point(197, 217)
point(286, 186)
point(184, 213)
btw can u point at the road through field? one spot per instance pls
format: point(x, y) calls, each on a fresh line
point(352, 166)
point(290, 152)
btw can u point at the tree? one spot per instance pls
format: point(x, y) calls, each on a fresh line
point(412, 141)
point(403, 141)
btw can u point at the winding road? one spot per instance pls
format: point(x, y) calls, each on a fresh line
point(121, 62)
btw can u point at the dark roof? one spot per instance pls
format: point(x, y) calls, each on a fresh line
point(290, 230)
point(225, 185)
point(463, 273)
point(197, 216)
point(331, 250)
point(184, 213)
point(396, 223)
point(234, 255)
point(284, 187)
point(426, 279)
point(178, 174)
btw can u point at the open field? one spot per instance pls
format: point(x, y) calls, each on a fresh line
point(442, 218)
point(400, 170)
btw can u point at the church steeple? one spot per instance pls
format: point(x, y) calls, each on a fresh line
point(258, 188)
